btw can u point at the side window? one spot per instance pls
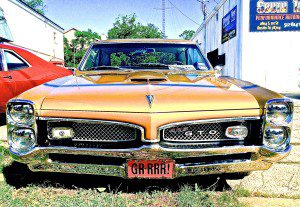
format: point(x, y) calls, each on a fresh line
point(14, 62)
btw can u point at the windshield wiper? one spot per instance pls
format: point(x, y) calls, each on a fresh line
point(152, 65)
point(103, 67)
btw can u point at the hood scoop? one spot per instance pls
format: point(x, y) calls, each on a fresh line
point(147, 77)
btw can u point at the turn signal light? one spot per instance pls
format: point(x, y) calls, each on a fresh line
point(237, 132)
point(62, 133)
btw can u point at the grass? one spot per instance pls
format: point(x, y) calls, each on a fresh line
point(4, 157)
point(55, 196)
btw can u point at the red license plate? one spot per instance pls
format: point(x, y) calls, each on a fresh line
point(155, 169)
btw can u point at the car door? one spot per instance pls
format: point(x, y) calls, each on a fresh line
point(19, 71)
point(7, 86)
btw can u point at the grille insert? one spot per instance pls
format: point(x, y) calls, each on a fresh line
point(200, 132)
point(99, 131)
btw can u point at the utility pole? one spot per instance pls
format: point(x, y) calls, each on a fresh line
point(204, 12)
point(163, 6)
point(204, 8)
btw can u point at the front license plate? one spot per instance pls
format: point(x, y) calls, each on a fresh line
point(155, 169)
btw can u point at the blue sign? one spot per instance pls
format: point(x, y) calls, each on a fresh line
point(278, 15)
point(229, 25)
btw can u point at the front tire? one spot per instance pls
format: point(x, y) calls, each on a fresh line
point(17, 174)
point(236, 176)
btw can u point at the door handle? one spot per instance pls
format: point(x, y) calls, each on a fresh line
point(9, 77)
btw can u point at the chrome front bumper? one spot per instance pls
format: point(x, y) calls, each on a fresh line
point(261, 159)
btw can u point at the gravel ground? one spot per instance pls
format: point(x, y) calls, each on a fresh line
point(270, 202)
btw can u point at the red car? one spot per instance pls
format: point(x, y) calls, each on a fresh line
point(21, 70)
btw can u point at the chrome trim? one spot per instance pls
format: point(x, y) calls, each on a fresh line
point(207, 121)
point(95, 121)
point(261, 159)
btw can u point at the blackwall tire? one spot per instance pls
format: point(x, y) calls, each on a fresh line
point(17, 175)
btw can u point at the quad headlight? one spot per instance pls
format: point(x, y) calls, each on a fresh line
point(279, 113)
point(22, 139)
point(21, 125)
point(278, 123)
point(21, 113)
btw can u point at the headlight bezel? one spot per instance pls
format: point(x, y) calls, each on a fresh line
point(14, 125)
point(286, 124)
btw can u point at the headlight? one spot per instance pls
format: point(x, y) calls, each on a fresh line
point(279, 113)
point(22, 139)
point(21, 113)
point(276, 138)
point(278, 124)
point(21, 125)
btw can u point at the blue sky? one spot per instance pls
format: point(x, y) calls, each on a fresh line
point(99, 15)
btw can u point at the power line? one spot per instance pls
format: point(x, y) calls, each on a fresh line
point(183, 13)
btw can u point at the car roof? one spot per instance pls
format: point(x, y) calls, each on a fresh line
point(161, 41)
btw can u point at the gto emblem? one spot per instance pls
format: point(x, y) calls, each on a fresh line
point(150, 99)
point(190, 133)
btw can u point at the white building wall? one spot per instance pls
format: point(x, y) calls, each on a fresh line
point(32, 31)
point(270, 59)
point(213, 37)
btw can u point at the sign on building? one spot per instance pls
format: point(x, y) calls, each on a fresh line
point(270, 15)
point(229, 25)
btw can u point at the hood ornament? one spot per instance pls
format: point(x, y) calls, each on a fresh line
point(150, 99)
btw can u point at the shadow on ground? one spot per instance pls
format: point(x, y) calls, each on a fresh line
point(110, 184)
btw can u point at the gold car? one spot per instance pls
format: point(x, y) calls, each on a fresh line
point(149, 109)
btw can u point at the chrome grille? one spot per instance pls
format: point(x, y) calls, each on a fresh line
point(99, 131)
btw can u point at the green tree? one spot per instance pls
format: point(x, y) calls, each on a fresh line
point(75, 50)
point(37, 5)
point(187, 34)
point(127, 27)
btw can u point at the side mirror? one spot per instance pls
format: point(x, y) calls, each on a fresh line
point(218, 70)
point(200, 66)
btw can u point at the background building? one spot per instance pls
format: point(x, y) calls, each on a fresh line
point(258, 39)
point(33, 31)
point(70, 34)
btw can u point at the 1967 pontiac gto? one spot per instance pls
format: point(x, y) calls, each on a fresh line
point(151, 109)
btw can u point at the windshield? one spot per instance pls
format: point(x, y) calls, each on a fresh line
point(144, 56)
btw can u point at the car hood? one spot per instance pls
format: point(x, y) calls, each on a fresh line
point(142, 92)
